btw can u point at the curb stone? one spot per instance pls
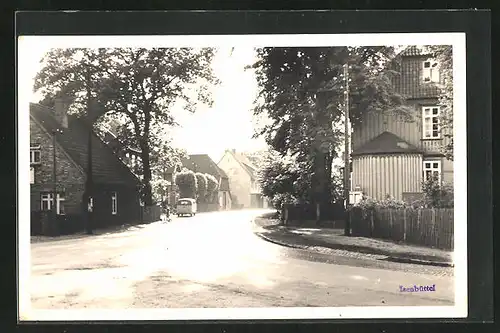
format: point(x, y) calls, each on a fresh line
point(419, 262)
point(391, 258)
point(270, 240)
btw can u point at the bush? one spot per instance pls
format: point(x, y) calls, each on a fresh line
point(387, 203)
point(201, 180)
point(437, 194)
point(212, 189)
point(187, 184)
point(281, 199)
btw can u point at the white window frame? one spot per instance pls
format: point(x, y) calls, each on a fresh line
point(114, 203)
point(429, 121)
point(32, 175)
point(355, 197)
point(430, 71)
point(432, 166)
point(47, 198)
point(34, 149)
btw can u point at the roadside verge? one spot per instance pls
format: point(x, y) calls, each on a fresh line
point(321, 238)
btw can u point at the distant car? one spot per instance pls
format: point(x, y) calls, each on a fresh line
point(186, 206)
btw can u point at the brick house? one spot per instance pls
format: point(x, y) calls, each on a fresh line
point(392, 155)
point(115, 197)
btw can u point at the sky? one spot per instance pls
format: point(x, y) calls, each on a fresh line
point(228, 124)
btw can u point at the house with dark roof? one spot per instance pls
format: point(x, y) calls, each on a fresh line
point(204, 164)
point(392, 155)
point(128, 155)
point(243, 180)
point(115, 196)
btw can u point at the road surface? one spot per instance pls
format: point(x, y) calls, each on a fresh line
point(215, 260)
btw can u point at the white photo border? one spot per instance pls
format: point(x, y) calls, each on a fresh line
point(458, 310)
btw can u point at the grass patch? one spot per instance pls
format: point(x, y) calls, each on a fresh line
point(271, 216)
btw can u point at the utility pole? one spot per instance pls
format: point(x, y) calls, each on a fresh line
point(347, 163)
point(54, 179)
point(89, 182)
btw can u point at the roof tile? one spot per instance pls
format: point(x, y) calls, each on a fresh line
point(106, 166)
point(386, 143)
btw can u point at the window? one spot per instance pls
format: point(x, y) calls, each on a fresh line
point(46, 203)
point(432, 168)
point(430, 122)
point(430, 71)
point(32, 175)
point(114, 203)
point(35, 155)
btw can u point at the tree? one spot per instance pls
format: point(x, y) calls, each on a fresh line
point(443, 54)
point(257, 158)
point(285, 180)
point(436, 193)
point(139, 84)
point(302, 93)
point(159, 188)
point(212, 189)
point(187, 183)
point(278, 177)
point(201, 179)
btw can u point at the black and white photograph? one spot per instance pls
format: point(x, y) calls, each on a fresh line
point(242, 177)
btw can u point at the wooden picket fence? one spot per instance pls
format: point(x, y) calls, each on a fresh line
point(427, 227)
point(307, 215)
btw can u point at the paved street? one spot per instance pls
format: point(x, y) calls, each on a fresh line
point(215, 260)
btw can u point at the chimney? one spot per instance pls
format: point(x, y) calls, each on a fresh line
point(61, 105)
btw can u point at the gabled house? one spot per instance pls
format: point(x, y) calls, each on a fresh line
point(392, 155)
point(115, 190)
point(204, 164)
point(243, 180)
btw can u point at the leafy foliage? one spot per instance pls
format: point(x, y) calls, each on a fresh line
point(159, 187)
point(186, 181)
point(201, 179)
point(387, 203)
point(280, 199)
point(444, 56)
point(437, 194)
point(258, 158)
point(212, 189)
point(302, 93)
point(278, 177)
point(140, 85)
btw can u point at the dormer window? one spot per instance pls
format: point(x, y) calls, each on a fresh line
point(430, 71)
point(35, 155)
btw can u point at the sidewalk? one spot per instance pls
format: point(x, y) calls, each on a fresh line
point(96, 232)
point(311, 238)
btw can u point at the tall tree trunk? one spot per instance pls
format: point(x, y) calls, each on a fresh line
point(146, 163)
point(319, 175)
point(146, 168)
point(321, 167)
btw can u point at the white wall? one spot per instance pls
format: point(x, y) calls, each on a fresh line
point(239, 180)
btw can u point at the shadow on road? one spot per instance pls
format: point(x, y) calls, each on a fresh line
point(99, 232)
